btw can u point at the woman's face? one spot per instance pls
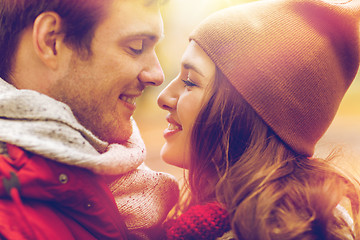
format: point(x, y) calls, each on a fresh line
point(183, 98)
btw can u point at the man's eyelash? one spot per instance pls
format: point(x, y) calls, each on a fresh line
point(137, 51)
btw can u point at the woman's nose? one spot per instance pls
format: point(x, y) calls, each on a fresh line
point(167, 99)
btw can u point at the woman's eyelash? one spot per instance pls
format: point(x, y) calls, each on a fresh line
point(189, 83)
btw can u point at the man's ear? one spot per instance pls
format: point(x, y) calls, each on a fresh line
point(47, 38)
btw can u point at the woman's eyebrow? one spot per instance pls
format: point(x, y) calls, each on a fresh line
point(193, 67)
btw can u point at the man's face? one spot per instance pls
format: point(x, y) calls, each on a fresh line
point(101, 90)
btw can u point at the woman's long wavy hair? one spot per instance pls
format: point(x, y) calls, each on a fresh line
point(270, 191)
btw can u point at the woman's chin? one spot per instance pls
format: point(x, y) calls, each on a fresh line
point(170, 156)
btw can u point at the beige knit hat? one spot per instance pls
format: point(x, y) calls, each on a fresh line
point(291, 60)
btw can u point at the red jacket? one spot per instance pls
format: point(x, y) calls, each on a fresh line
point(44, 199)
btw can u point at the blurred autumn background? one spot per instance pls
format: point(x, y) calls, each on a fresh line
point(180, 17)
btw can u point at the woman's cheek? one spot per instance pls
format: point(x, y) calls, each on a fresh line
point(188, 109)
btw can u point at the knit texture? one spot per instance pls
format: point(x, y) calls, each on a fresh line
point(44, 126)
point(208, 221)
point(291, 60)
point(145, 197)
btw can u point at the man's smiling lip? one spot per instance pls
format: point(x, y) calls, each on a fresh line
point(129, 100)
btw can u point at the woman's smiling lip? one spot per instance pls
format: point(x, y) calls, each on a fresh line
point(172, 128)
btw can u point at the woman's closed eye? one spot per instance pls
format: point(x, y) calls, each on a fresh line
point(189, 83)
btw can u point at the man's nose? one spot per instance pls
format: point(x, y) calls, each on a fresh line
point(152, 74)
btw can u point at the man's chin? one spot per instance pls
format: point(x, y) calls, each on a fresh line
point(121, 137)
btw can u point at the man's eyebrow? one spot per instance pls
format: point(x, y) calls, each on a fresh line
point(188, 66)
point(151, 36)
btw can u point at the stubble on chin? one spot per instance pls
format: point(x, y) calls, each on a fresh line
point(110, 132)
